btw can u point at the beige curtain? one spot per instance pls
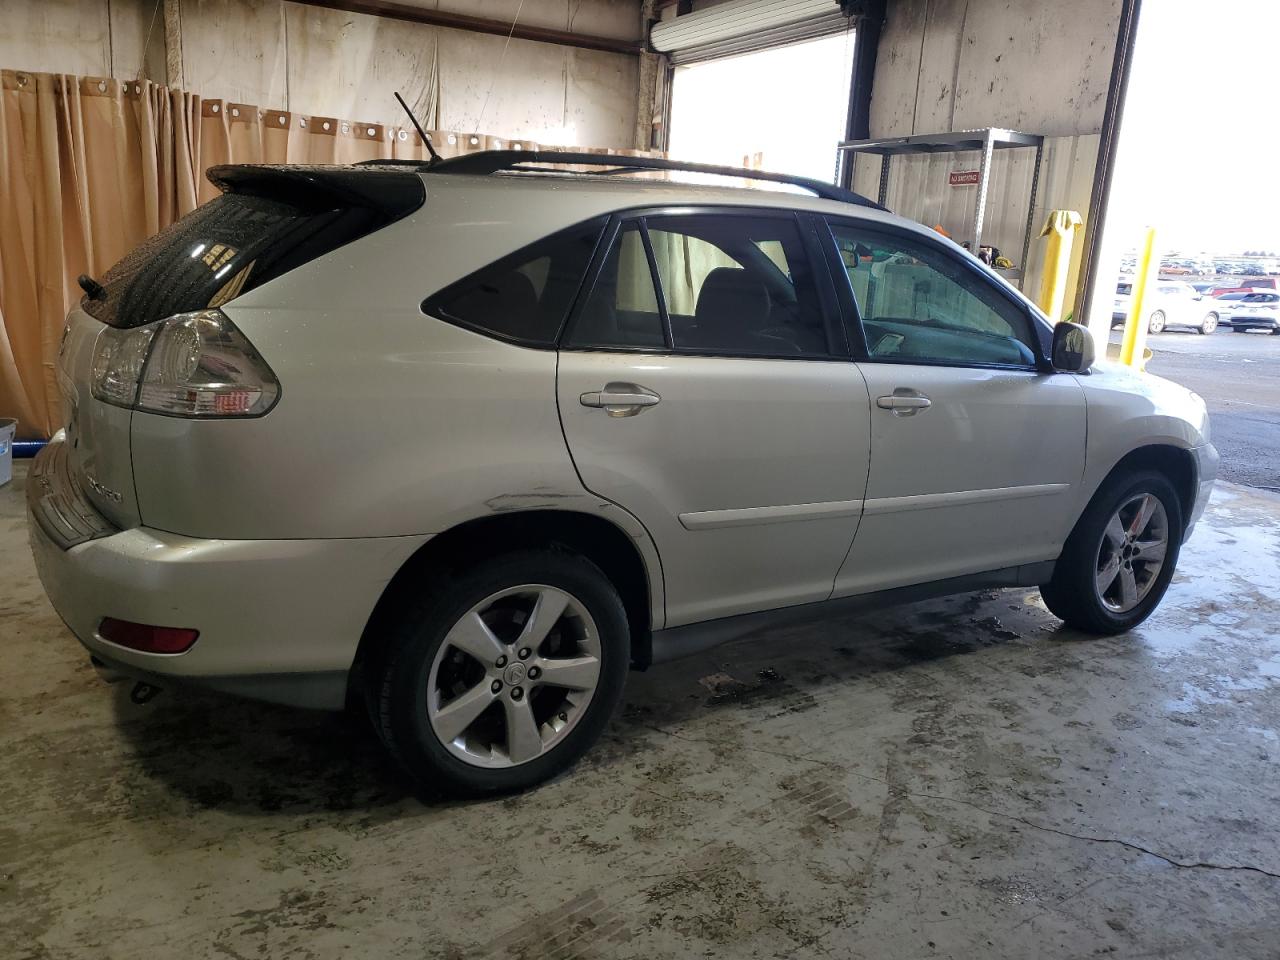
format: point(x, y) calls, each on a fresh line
point(90, 167)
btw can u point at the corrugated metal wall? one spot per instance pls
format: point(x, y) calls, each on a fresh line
point(291, 56)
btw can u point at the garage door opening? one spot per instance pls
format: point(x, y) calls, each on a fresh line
point(778, 109)
point(1203, 178)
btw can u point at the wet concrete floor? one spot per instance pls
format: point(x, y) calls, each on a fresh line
point(960, 778)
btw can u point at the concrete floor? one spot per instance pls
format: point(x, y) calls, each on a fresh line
point(958, 778)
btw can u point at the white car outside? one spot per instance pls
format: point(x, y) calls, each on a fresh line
point(1169, 303)
point(463, 442)
point(1259, 310)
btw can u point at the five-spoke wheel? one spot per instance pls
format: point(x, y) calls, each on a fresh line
point(499, 676)
point(1119, 559)
point(1131, 554)
point(514, 675)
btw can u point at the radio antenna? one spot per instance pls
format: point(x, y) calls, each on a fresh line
point(435, 157)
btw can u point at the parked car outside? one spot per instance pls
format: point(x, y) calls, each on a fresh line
point(1170, 303)
point(1244, 286)
point(1259, 310)
point(460, 443)
point(1226, 304)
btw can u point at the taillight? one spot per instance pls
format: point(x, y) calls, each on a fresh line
point(190, 365)
point(147, 638)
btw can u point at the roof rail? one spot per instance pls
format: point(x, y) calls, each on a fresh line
point(486, 162)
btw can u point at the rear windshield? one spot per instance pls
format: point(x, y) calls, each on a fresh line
point(233, 243)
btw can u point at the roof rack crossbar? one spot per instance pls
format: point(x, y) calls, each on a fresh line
point(486, 162)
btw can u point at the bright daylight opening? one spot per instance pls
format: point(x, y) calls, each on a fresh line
point(1188, 165)
point(1196, 163)
point(782, 109)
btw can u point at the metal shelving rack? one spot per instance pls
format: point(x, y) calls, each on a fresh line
point(986, 142)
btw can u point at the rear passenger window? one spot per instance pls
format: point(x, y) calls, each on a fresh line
point(622, 310)
point(726, 285)
point(523, 297)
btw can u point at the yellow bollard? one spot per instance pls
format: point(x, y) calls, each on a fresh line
point(1135, 324)
point(1060, 228)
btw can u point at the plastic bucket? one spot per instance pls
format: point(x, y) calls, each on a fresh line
point(7, 429)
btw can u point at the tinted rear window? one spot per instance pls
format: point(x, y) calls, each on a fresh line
point(275, 219)
point(526, 296)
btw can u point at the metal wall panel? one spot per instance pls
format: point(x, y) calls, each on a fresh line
point(919, 188)
point(1020, 64)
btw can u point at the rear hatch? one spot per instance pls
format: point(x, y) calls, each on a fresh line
point(268, 221)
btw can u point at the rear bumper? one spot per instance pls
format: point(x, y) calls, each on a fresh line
point(279, 620)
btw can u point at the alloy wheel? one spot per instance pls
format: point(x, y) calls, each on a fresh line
point(513, 676)
point(1132, 552)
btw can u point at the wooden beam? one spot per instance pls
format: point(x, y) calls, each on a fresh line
point(173, 44)
point(462, 21)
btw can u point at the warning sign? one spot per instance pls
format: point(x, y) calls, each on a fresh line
point(963, 178)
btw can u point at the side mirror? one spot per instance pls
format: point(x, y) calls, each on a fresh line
point(1073, 348)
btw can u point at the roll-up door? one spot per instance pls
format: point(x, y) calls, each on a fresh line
point(743, 26)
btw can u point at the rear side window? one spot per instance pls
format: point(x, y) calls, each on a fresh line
point(523, 297)
point(623, 310)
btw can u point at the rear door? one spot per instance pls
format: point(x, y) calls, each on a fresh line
point(976, 447)
point(705, 385)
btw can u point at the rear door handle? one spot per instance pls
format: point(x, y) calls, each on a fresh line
point(904, 402)
point(621, 399)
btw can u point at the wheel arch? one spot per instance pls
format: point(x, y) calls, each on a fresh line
point(603, 542)
point(1177, 463)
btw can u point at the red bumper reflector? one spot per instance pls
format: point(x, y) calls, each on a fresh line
point(144, 637)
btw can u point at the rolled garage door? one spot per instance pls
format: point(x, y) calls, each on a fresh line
point(743, 26)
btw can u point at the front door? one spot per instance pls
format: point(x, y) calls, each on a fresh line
point(976, 449)
point(705, 386)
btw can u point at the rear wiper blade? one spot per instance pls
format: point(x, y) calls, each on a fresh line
point(92, 288)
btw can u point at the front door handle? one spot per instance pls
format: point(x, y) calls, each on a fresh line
point(904, 402)
point(621, 399)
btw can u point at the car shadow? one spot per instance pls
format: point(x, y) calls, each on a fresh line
point(244, 757)
point(248, 758)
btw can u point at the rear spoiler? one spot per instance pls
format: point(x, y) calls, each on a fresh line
point(393, 192)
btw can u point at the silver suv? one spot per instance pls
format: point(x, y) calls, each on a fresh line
point(463, 442)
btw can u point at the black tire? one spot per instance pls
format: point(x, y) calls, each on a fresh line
point(399, 687)
point(1072, 595)
point(1209, 324)
point(1239, 330)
